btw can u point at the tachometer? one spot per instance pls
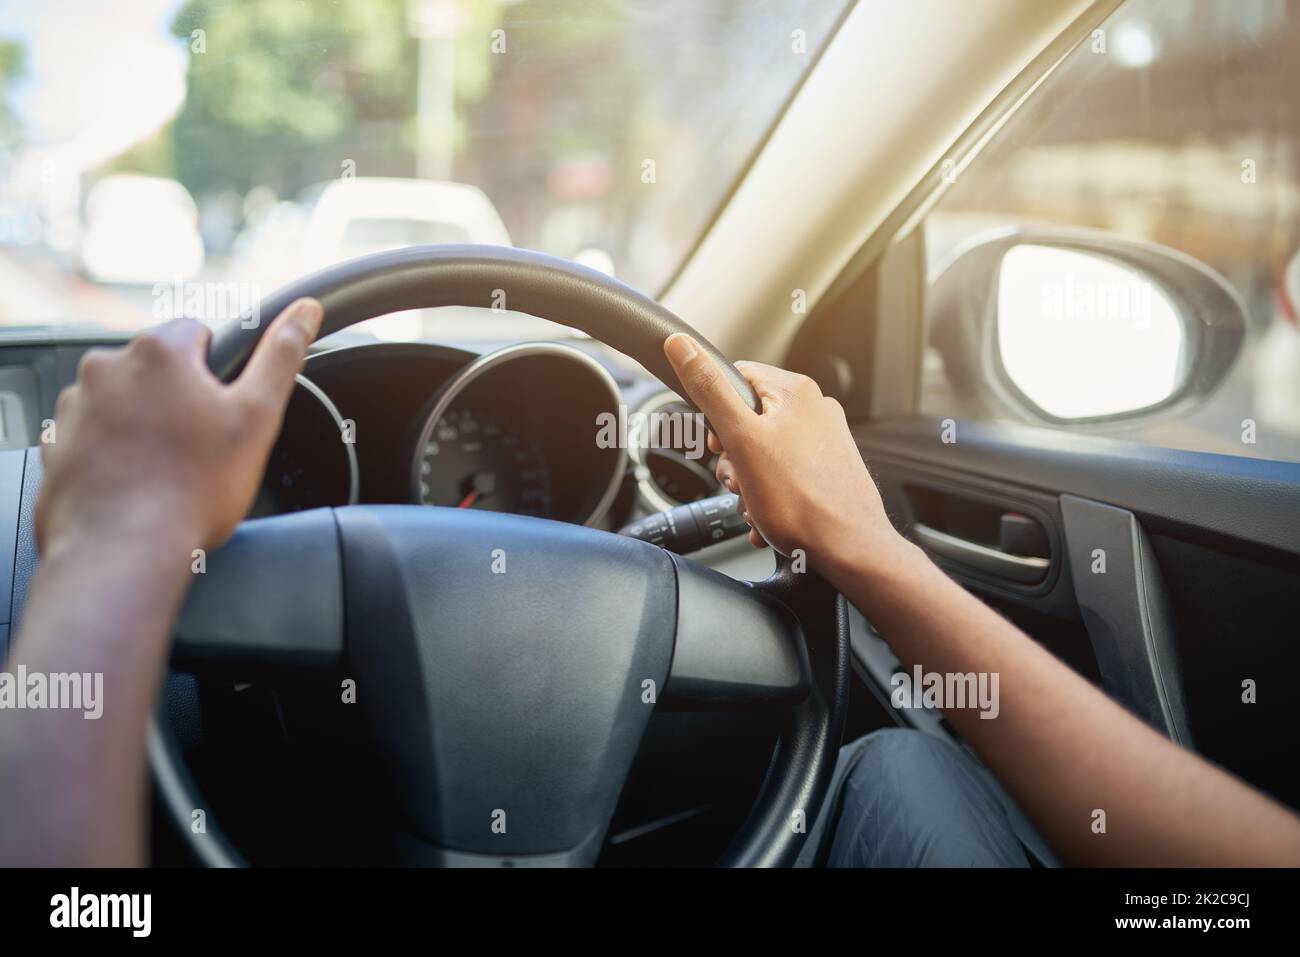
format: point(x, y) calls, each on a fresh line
point(477, 459)
point(310, 466)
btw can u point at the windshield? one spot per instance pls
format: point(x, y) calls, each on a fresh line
point(167, 157)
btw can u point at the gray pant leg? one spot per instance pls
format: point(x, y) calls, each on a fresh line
point(916, 800)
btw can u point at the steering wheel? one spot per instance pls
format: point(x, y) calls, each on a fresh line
point(508, 665)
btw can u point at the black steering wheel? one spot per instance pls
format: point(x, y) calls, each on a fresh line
point(508, 665)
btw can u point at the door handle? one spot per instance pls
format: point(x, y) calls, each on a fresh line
point(1023, 569)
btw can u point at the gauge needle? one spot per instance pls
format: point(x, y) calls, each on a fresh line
point(480, 483)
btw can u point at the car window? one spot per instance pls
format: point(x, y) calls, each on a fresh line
point(1176, 123)
point(251, 141)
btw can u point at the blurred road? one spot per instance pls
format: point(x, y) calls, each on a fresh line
point(37, 291)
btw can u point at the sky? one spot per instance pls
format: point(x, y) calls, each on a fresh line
point(100, 76)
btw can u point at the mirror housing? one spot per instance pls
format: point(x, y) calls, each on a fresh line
point(962, 315)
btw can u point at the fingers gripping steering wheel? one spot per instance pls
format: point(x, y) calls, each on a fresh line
point(487, 706)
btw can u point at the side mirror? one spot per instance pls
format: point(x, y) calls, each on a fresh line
point(1080, 326)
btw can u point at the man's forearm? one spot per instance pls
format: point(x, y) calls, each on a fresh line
point(96, 607)
point(1060, 746)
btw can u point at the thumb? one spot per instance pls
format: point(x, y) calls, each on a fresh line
point(705, 385)
point(268, 378)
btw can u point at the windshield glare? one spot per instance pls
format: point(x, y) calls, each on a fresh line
point(167, 157)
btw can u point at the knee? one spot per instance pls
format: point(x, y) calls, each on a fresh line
point(903, 744)
point(914, 799)
point(897, 763)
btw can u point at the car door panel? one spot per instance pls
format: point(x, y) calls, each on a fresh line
point(1191, 624)
point(1123, 603)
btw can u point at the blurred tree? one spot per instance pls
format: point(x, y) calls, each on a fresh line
point(574, 106)
point(151, 157)
point(13, 61)
point(284, 93)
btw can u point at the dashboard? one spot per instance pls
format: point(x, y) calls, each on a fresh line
point(535, 428)
point(498, 425)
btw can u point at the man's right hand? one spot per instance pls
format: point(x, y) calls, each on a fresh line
point(796, 467)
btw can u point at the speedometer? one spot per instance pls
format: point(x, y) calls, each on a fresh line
point(518, 430)
point(478, 459)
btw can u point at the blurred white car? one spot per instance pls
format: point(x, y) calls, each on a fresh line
point(141, 230)
point(356, 217)
point(1277, 374)
point(268, 251)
